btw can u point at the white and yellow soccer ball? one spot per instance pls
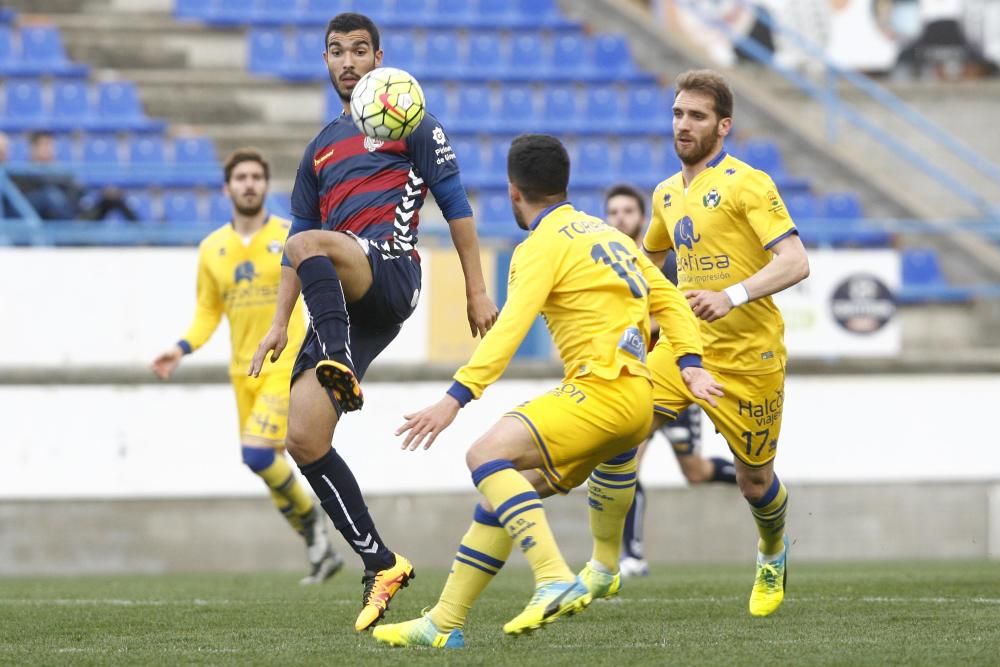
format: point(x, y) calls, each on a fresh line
point(387, 103)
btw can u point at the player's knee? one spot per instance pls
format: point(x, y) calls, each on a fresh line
point(258, 458)
point(301, 246)
point(753, 488)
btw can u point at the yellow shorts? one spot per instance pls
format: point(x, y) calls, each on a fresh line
point(584, 422)
point(262, 404)
point(748, 416)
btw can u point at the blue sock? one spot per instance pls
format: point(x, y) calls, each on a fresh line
point(324, 295)
point(338, 492)
point(723, 471)
point(632, 537)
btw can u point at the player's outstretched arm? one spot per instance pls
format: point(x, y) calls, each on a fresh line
point(277, 336)
point(428, 423)
point(480, 308)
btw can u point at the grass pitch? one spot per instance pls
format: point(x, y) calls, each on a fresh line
point(844, 614)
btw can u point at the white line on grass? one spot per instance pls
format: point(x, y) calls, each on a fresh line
point(117, 602)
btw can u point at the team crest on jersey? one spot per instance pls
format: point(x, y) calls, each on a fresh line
point(438, 136)
point(372, 145)
point(773, 202)
point(666, 200)
point(684, 233)
point(274, 247)
point(712, 199)
point(245, 271)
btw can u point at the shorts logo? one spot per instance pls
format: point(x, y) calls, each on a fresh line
point(569, 389)
point(684, 233)
point(245, 271)
point(712, 199)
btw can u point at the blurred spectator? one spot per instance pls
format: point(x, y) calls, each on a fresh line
point(55, 193)
point(4, 148)
point(942, 48)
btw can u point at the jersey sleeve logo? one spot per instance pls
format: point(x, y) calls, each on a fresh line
point(438, 136)
point(684, 233)
point(245, 271)
point(712, 199)
point(318, 161)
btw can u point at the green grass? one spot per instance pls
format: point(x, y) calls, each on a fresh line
point(846, 614)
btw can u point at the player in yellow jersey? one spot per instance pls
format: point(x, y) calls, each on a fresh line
point(595, 291)
point(239, 265)
point(736, 246)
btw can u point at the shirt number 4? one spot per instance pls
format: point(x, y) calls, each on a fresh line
point(622, 261)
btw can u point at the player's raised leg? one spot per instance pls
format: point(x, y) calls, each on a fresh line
point(312, 420)
point(768, 500)
point(334, 271)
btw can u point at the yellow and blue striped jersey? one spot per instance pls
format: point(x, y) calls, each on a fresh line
point(595, 291)
point(722, 227)
point(240, 279)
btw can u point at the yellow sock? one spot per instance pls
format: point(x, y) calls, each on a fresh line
point(287, 511)
point(282, 481)
point(483, 551)
point(520, 511)
point(610, 491)
point(769, 513)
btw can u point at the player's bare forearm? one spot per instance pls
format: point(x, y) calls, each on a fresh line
point(288, 293)
point(789, 267)
point(657, 258)
point(482, 311)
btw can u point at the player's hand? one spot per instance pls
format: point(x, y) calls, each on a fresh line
point(482, 313)
point(428, 423)
point(276, 339)
point(702, 385)
point(167, 362)
point(708, 305)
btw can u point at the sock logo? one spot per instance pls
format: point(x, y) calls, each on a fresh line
point(367, 545)
point(527, 543)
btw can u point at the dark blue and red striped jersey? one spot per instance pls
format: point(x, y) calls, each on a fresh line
point(372, 188)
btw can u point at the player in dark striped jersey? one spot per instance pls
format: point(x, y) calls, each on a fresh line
point(352, 253)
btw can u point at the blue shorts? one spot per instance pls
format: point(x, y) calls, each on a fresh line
point(684, 433)
point(376, 318)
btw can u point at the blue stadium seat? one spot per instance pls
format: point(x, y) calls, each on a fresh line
point(470, 160)
point(441, 55)
point(18, 151)
point(195, 163)
point(274, 12)
point(280, 203)
point(568, 58)
point(560, 111)
point(602, 107)
point(24, 101)
point(493, 213)
point(400, 49)
point(319, 12)
point(542, 14)
point(921, 267)
point(762, 154)
point(474, 107)
point(517, 110)
point(611, 60)
point(228, 12)
point(588, 201)
point(415, 13)
point(42, 52)
point(8, 59)
point(483, 59)
point(141, 203)
point(453, 14)
point(194, 150)
point(648, 109)
point(191, 9)
point(147, 149)
point(220, 208)
point(71, 100)
point(306, 61)
point(496, 169)
point(497, 14)
point(266, 48)
point(100, 149)
point(591, 165)
point(803, 207)
point(119, 108)
point(637, 164)
point(524, 59)
point(181, 207)
point(436, 101)
point(842, 206)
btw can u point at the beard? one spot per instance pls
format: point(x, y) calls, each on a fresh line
point(698, 150)
point(519, 218)
point(344, 95)
point(249, 210)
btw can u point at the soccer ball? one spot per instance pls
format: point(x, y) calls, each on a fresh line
point(387, 103)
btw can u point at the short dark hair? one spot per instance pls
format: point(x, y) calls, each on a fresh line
point(624, 189)
point(710, 83)
point(38, 135)
point(245, 155)
point(538, 165)
point(348, 21)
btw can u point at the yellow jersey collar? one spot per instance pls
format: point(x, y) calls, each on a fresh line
point(545, 212)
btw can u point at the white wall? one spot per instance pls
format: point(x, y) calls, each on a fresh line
point(150, 441)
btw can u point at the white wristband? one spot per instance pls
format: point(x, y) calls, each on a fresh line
point(738, 294)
